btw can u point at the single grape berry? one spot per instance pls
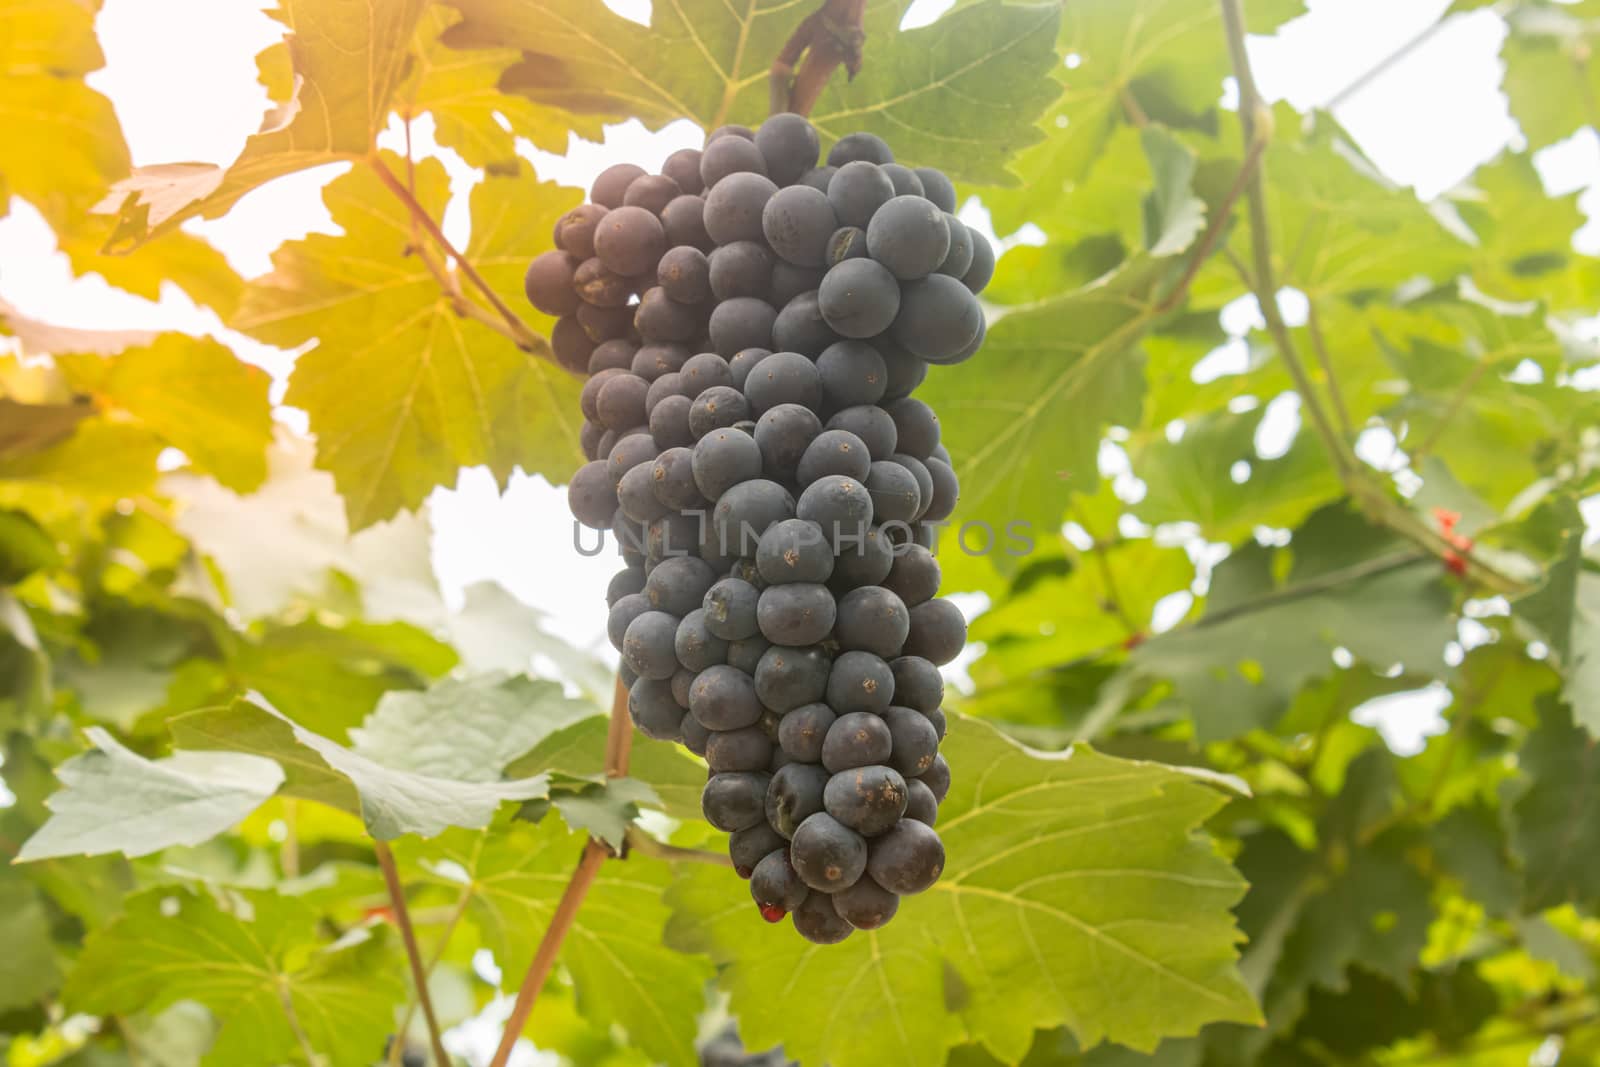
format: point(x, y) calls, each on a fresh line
point(548, 283)
point(774, 884)
point(907, 859)
point(867, 799)
point(794, 795)
point(859, 298)
point(866, 905)
point(734, 801)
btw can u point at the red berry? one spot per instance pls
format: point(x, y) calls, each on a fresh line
point(772, 913)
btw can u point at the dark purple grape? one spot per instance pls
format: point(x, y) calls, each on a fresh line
point(937, 632)
point(794, 795)
point(774, 883)
point(653, 710)
point(574, 231)
point(592, 497)
point(734, 207)
point(860, 681)
point(790, 146)
point(653, 192)
point(827, 854)
point(873, 619)
point(866, 905)
point(907, 859)
point(630, 241)
point(801, 731)
point(548, 283)
point(787, 678)
point(817, 921)
point(797, 223)
point(869, 799)
point(612, 184)
point(735, 801)
point(724, 698)
point(797, 614)
point(730, 609)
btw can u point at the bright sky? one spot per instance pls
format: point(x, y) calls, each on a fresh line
point(1427, 122)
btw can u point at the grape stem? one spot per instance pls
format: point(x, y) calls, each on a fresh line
point(408, 936)
point(619, 745)
point(1256, 119)
point(505, 320)
point(827, 37)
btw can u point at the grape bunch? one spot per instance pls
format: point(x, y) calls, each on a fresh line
point(753, 325)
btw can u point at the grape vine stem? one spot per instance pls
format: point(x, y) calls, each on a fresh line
point(408, 936)
point(827, 37)
point(619, 745)
point(1256, 119)
point(508, 321)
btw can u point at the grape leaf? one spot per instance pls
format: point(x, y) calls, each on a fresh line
point(960, 94)
point(196, 394)
point(28, 969)
point(622, 972)
point(469, 730)
point(1549, 71)
point(438, 392)
point(1173, 215)
point(1555, 823)
point(348, 60)
point(1062, 875)
point(1566, 608)
point(115, 800)
point(44, 338)
point(391, 800)
point(673, 775)
point(260, 967)
point(34, 427)
point(1051, 377)
point(102, 460)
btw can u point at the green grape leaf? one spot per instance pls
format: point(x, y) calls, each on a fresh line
point(1566, 609)
point(960, 94)
point(605, 809)
point(1260, 640)
point(28, 968)
point(438, 391)
point(348, 60)
point(102, 460)
point(1033, 412)
point(115, 800)
point(469, 730)
point(1063, 875)
point(1555, 823)
point(391, 800)
point(623, 974)
point(260, 965)
point(1192, 479)
point(26, 428)
point(1173, 215)
point(1550, 71)
point(674, 776)
point(195, 393)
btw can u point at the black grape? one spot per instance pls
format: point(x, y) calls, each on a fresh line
point(660, 318)
point(748, 847)
point(914, 578)
point(797, 222)
point(683, 167)
point(859, 146)
point(672, 535)
point(837, 504)
point(783, 433)
point(680, 683)
point(570, 344)
point(937, 187)
point(726, 156)
point(746, 510)
point(647, 645)
point(800, 327)
point(612, 355)
point(619, 405)
point(746, 653)
point(548, 283)
point(794, 795)
point(946, 490)
point(924, 480)
point(627, 580)
point(909, 236)
point(630, 451)
point(794, 551)
point(787, 678)
point(724, 698)
point(744, 362)
point(959, 259)
point(907, 859)
point(982, 269)
point(732, 802)
point(906, 182)
point(858, 298)
point(790, 280)
point(856, 739)
point(939, 317)
point(868, 799)
point(833, 452)
point(693, 735)
point(783, 378)
point(817, 921)
point(630, 240)
point(749, 749)
point(684, 221)
point(827, 854)
point(669, 384)
point(857, 191)
point(862, 560)
point(819, 177)
point(873, 619)
point(860, 681)
point(675, 487)
point(589, 435)
point(906, 371)
point(873, 425)
point(684, 274)
point(937, 632)
point(796, 614)
point(654, 360)
point(636, 495)
point(916, 742)
point(774, 883)
point(920, 802)
point(734, 207)
point(852, 373)
point(866, 905)
point(917, 684)
point(653, 710)
point(669, 422)
point(937, 778)
point(743, 268)
point(591, 496)
point(612, 184)
point(743, 322)
point(716, 408)
point(801, 731)
point(653, 192)
point(730, 609)
point(790, 146)
point(602, 324)
point(722, 459)
point(704, 370)
point(574, 231)
point(695, 645)
point(894, 492)
point(847, 242)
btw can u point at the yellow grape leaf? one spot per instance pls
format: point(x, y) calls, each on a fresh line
point(348, 57)
point(401, 390)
